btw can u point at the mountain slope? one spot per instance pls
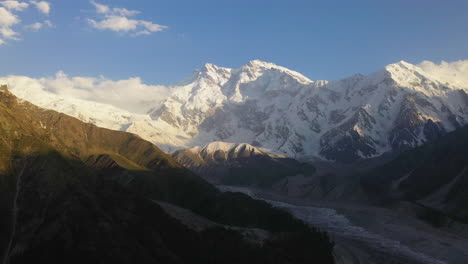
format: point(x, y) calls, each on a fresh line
point(434, 175)
point(75, 193)
point(396, 108)
point(239, 164)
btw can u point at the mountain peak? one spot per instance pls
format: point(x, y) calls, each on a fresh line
point(400, 66)
point(210, 72)
point(260, 63)
point(229, 147)
point(3, 88)
point(404, 73)
point(405, 63)
point(225, 150)
point(210, 67)
point(213, 68)
point(256, 66)
point(6, 96)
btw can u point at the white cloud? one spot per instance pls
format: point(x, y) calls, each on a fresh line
point(117, 20)
point(7, 21)
point(143, 33)
point(125, 12)
point(9, 18)
point(39, 25)
point(14, 5)
point(115, 23)
point(453, 72)
point(150, 27)
point(106, 10)
point(119, 24)
point(42, 6)
point(130, 94)
point(100, 8)
point(34, 27)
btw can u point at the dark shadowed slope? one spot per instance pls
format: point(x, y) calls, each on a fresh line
point(71, 192)
point(240, 164)
point(434, 176)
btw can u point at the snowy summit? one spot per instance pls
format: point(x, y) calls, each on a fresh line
point(398, 107)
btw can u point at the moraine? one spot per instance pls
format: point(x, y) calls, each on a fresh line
point(354, 244)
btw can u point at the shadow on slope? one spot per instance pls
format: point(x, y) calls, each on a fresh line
point(434, 176)
point(72, 192)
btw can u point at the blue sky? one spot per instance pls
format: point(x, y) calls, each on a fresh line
point(321, 39)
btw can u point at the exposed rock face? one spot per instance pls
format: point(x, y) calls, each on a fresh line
point(347, 141)
point(398, 107)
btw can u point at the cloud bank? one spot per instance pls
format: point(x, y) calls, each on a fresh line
point(130, 94)
point(453, 72)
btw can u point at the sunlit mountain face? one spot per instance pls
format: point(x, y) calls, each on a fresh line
point(394, 109)
point(233, 132)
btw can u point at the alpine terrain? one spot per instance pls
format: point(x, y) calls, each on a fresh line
point(71, 192)
point(283, 112)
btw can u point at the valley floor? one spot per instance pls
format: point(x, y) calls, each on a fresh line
point(372, 235)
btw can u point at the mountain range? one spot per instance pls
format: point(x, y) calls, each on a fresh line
point(281, 111)
point(71, 192)
point(69, 186)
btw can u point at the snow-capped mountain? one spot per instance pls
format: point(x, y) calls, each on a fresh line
point(240, 164)
point(398, 107)
point(271, 107)
point(219, 152)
